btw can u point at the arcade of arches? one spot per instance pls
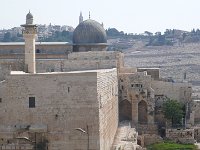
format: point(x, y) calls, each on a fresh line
point(125, 111)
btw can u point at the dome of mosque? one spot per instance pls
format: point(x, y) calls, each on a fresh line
point(89, 31)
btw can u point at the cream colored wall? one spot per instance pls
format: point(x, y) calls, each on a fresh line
point(64, 101)
point(51, 48)
point(127, 79)
point(82, 61)
point(127, 70)
point(127, 92)
point(177, 91)
point(154, 72)
point(6, 65)
point(75, 61)
point(61, 111)
point(195, 112)
point(107, 93)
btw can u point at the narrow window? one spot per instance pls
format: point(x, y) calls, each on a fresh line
point(31, 102)
point(0, 100)
point(68, 89)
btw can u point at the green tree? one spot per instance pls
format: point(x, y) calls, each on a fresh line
point(173, 110)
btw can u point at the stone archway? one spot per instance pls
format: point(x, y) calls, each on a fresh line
point(142, 112)
point(125, 110)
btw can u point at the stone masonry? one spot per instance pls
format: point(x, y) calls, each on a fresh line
point(64, 102)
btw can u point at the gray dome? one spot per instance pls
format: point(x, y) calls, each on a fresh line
point(89, 31)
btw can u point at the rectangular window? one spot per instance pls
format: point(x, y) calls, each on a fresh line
point(0, 100)
point(31, 102)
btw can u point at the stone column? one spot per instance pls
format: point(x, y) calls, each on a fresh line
point(134, 102)
point(30, 53)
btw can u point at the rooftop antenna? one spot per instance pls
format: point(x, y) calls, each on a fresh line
point(89, 14)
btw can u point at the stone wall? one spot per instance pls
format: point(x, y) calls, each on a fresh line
point(127, 70)
point(177, 91)
point(89, 47)
point(107, 94)
point(147, 129)
point(136, 89)
point(154, 72)
point(195, 108)
point(74, 62)
point(151, 139)
point(40, 47)
point(181, 135)
point(63, 102)
point(197, 134)
point(6, 65)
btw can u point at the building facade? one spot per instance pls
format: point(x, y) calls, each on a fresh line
point(72, 96)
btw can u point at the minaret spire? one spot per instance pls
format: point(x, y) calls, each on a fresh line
point(102, 24)
point(80, 17)
point(89, 14)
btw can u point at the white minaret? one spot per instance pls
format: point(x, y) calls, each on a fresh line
point(80, 17)
point(29, 34)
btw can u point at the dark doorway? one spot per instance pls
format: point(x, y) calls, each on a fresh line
point(142, 112)
point(125, 110)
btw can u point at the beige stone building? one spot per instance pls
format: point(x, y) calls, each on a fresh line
point(73, 96)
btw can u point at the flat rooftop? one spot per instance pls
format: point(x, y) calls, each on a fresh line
point(147, 68)
point(37, 43)
point(70, 72)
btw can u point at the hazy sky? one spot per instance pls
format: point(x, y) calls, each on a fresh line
point(132, 16)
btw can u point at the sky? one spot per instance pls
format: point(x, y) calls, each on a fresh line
point(130, 16)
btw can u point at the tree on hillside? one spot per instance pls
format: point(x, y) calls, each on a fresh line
point(7, 37)
point(64, 36)
point(114, 32)
point(173, 110)
point(148, 33)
